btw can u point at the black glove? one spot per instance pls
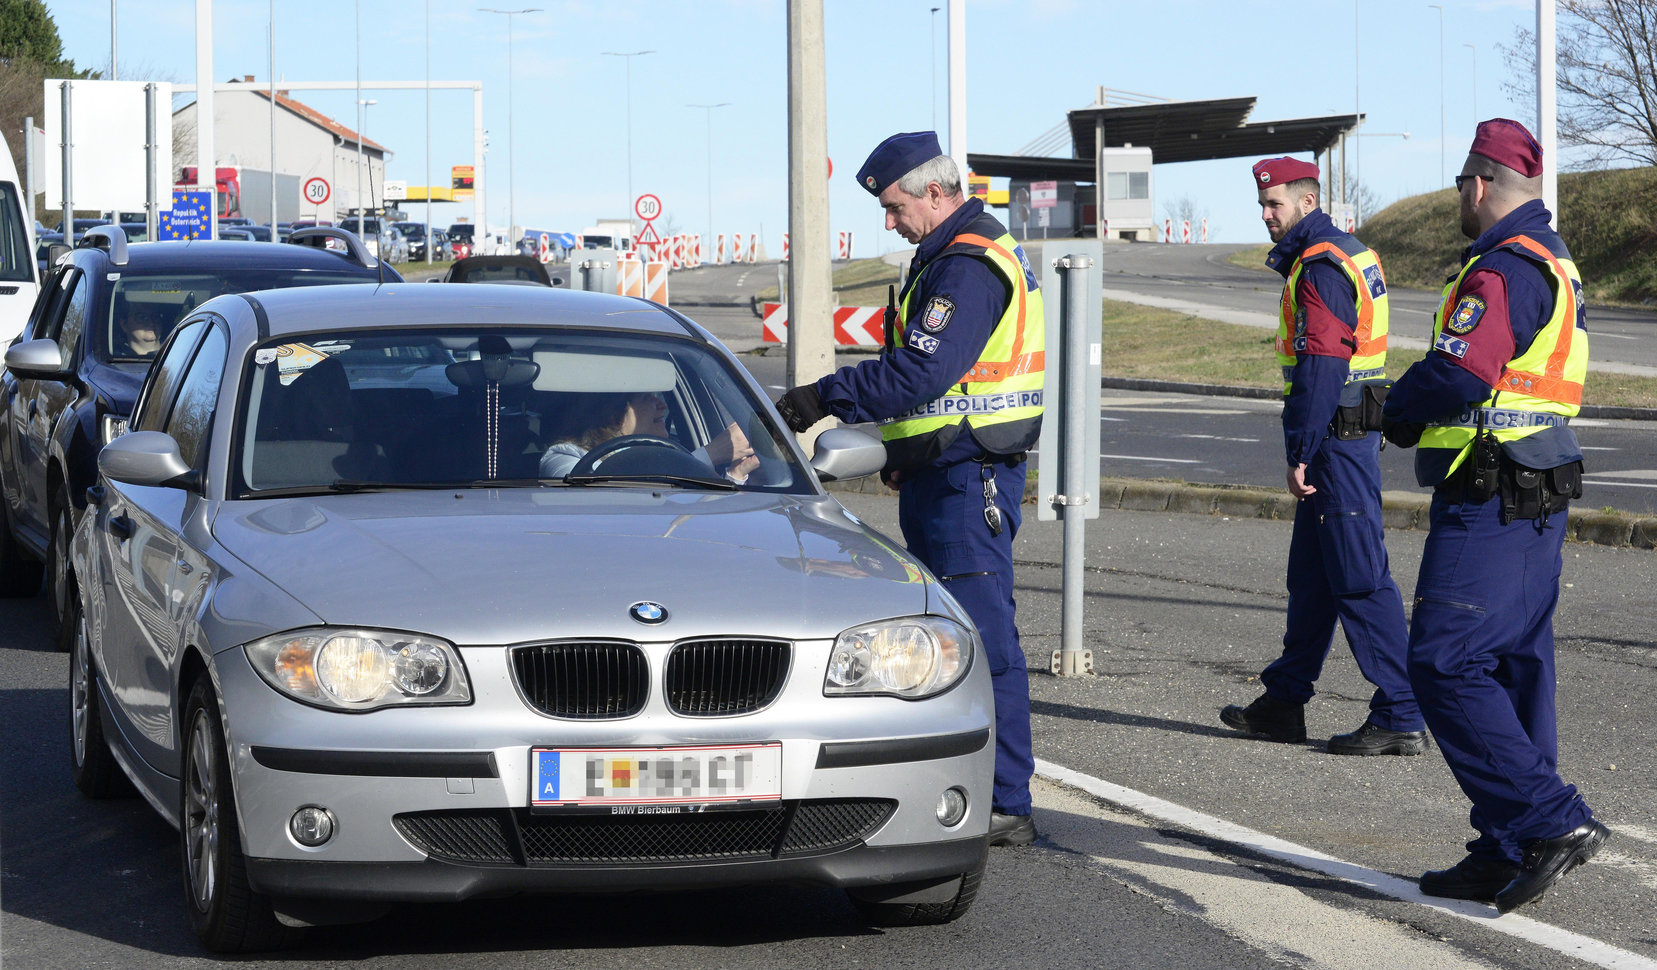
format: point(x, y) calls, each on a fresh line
point(801, 407)
point(1403, 434)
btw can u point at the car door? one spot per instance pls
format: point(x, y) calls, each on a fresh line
point(14, 399)
point(136, 532)
point(40, 401)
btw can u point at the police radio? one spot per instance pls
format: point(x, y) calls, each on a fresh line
point(891, 316)
point(1486, 461)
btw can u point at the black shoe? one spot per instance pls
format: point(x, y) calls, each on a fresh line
point(1471, 878)
point(1548, 859)
point(1277, 720)
point(1370, 739)
point(1011, 829)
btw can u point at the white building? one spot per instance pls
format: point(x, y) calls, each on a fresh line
point(308, 144)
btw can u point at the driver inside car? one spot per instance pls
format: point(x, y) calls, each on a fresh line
point(600, 418)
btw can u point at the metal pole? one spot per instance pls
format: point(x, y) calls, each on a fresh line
point(935, 68)
point(478, 181)
point(709, 109)
point(958, 85)
point(112, 36)
point(810, 291)
point(358, 132)
point(628, 59)
point(429, 133)
point(29, 173)
point(1074, 487)
point(152, 191)
point(1358, 117)
point(207, 171)
point(68, 226)
point(271, 86)
point(1547, 119)
point(511, 157)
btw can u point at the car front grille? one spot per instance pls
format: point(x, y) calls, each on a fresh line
point(519, 837)
point(716, 678)
point(583, 680)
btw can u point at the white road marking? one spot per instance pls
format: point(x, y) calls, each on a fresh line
point(1176, 461)
point(1561, 941)
point(1598, 448)
point(1601, 481)
point(1601, 335)
point(1218, 437)
point(1177, 410)
point(1649, 474)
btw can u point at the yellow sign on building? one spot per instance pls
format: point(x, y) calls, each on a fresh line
point(461, 176)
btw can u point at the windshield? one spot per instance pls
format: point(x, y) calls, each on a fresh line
point(462, 407)
point(461, 229)
point(144, 309)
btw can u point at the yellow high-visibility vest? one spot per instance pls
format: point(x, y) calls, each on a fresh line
point(1000, 398)
point(1363, 269)
point(1542, 387)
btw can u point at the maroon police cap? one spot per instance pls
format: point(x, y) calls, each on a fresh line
point(1278, 171)
point(1509, 143)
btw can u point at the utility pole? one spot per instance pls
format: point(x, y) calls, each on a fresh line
point(810, 334)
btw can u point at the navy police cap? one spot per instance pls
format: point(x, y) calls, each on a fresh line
point(896, 157)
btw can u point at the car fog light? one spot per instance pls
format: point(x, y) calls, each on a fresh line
point(952, 807)
point(311, 826)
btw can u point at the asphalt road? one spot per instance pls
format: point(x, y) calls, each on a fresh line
point(1181, 612)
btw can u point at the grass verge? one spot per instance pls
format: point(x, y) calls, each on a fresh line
point(858, 282)
point(1155, 344)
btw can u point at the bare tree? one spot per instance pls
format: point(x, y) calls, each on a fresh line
point(1607, 78)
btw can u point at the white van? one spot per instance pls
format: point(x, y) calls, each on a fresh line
point(18, 280)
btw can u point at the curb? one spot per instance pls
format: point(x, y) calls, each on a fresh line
point(1399, 510)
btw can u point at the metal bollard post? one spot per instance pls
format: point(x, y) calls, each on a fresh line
point(1072, 659)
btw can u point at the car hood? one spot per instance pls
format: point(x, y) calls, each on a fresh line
point(480, 566)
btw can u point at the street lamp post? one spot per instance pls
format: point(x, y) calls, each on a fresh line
point(363, 104)
point(1443, 171)
point(511, 159)
point(1474, 48)
point(708, 108)
point(935, 67)
point(628, 58)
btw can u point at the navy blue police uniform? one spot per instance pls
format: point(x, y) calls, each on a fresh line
point(942, 499)
point(1481, 653)
point(1338, 566)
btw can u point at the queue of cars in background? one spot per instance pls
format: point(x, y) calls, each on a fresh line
point(342, 628)
point(72, 374)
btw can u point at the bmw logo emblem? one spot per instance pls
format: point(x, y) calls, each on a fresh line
point(647, 612)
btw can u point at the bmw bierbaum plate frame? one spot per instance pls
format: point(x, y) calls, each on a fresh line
point(650, 780)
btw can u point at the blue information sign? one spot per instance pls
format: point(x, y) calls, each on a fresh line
point(191, 216)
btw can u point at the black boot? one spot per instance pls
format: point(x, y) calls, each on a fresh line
point(1548, 859)
point(1471, 878)
point(1370, 739)
point(1277, 720)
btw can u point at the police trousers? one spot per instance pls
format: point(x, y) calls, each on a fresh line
point(1481, 659)
point(941, 512)
point(1338, 569)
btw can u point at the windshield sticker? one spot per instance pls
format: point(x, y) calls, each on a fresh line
point(292, 360)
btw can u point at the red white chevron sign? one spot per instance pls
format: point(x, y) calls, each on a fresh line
point(854, 326)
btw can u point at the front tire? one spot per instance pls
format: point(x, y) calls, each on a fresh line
point(96, 773)
point(57, 572)
point(227, 915)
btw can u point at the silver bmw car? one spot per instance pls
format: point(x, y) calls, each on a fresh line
point(410, 593)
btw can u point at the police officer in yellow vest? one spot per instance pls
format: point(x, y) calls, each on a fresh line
point(1332, 347)
point(957, 394)
point(1491, 405)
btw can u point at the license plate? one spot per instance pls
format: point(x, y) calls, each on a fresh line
point(655, 780)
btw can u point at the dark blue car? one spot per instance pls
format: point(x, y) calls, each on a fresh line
point(72, 375)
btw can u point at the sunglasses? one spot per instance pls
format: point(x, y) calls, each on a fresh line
point(1464, 179)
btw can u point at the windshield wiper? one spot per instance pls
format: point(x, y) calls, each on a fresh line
point(712, 484)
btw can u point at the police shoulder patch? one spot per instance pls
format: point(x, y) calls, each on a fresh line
point(925, 343)
point(1453, 346)
point(1465, 316)
point(938, 311)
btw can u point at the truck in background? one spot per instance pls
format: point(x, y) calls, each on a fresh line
point(614, 234)
point(246, 192)
point(18, 281)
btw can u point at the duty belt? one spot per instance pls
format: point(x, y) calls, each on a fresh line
point(1495, 418)
point(964, 404)
point(1352, 377)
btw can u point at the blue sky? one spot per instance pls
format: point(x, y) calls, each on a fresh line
point(1029, 61)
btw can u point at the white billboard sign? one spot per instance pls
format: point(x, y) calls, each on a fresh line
point(107, 144)
point(396, 190)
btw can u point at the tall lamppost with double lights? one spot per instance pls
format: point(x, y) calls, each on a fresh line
point(511, 158)
point(628, 58)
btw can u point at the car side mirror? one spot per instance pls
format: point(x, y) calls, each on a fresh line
point(557, 281)
point(147, 458)
point(55, 252)
point(843, 454)
point(434, 279)
point(39, 359)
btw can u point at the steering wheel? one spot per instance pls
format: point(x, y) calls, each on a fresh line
point(588, 461)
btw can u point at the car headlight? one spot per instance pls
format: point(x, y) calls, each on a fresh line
point(114, 426)
point(913, 657)
point(361, 670)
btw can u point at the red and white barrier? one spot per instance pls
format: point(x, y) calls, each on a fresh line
point(736, 247)
point(655, 282)
point(854, 326)
point(845, 250)
point(785, 247)
point(1185, 231)
point(719, 249)
point(1167, 230)
point(629, 277)
point(1205, 230)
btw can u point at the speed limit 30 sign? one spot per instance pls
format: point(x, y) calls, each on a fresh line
point(647, 207)
point(316, 190)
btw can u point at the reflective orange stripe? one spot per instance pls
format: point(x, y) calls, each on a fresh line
point(1020, 363)
point(1550, 384)
point(1368, 345)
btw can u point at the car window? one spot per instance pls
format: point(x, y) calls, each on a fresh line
point(436, 407)
point(163, 379)
point(17, 264)
point(192, 416)
point(43, 317)
point(143, 309)
point(73, 321)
